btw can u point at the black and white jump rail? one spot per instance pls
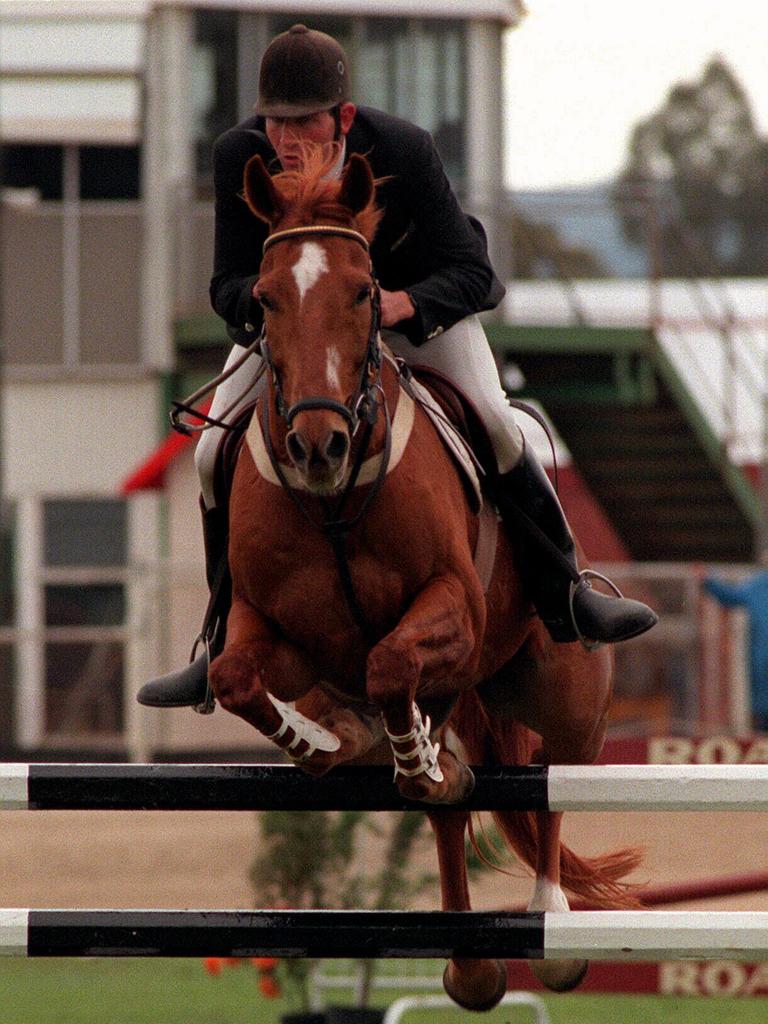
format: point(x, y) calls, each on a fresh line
point(591, 935)
point(257, 787)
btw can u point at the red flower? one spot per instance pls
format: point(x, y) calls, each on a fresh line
point(269, 987)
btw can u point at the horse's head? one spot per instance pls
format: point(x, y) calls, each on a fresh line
point(320, 307)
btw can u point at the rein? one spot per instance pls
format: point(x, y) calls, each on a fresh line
point(363, 407)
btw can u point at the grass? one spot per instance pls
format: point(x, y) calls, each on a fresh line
point(125, 991)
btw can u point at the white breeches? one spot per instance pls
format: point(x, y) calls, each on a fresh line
point(461, 353)
point(240, 388)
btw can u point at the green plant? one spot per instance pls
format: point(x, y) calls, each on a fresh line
point(314, 860)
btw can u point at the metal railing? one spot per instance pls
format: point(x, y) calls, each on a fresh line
point(692, 665)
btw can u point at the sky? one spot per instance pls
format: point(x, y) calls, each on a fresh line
point(581, 73)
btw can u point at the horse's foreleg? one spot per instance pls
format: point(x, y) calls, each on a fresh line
point(357, 731)
point(237, 673)
point(557, 975)
point(258, 675)
point(419, 659)
point(473, 984)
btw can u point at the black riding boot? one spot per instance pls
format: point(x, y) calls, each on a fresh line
point(189, 685)
point(525, 496)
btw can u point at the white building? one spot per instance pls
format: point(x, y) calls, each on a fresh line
point(107, 113)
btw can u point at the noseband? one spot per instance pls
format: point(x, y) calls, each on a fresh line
point(363, 404)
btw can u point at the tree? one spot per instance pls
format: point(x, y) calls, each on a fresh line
point(539, 251)
point(701, 163)
point(310, 860)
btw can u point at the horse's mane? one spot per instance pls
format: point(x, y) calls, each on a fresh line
point(314, 198)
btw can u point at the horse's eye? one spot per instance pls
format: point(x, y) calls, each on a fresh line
point(362, 296)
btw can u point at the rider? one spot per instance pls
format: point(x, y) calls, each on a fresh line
point(432, 264)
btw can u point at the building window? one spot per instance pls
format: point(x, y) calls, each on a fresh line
point(7, 619)
point(103, 172)
point(84, 609)
point(413, 68)
point(70, 255)
point(110, 172)
point(214, 84)
point(340, 28)
point(33, 167)
point(7, 597)
point(85, 532)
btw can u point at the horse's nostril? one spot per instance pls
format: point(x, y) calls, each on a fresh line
point(337, 445)
point(296, 447)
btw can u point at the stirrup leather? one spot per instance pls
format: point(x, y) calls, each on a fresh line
point(314, 735)
point(425, 750)
point(581, 583)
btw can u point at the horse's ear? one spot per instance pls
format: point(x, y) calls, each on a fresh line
point(357, 185)
point(260, 193)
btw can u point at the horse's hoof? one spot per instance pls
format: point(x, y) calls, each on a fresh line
point(456, 786)
point(480, 984)
point(467, 782)
point(559, 975)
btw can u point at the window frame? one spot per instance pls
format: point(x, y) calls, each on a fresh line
point(32, 635)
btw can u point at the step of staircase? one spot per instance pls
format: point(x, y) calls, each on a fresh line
point(663, 494)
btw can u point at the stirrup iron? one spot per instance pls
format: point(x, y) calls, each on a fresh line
point(583, 579)
point(208, 704)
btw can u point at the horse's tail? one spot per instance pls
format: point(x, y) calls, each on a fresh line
point(597, 881)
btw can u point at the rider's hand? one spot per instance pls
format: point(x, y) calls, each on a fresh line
point(395, 306)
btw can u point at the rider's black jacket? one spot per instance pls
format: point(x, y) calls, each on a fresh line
point(425, 242)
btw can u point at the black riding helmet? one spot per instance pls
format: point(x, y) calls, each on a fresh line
point(303, 71)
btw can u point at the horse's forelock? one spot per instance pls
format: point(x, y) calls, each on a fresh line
point(312, 197)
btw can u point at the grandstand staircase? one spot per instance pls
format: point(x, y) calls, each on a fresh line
point(638, 439)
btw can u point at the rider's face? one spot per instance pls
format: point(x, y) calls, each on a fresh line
point(287, 134)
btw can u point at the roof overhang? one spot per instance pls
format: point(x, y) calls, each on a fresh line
point(507, 12)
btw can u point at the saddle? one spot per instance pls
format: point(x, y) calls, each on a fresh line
point(460, 427)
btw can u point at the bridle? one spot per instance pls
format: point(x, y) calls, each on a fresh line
point(363, 404)
point(362, 407)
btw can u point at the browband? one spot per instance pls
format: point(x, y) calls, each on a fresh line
point(317, 229)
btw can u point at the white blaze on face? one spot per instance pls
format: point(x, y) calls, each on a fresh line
point(309, 268)
point(332, 365)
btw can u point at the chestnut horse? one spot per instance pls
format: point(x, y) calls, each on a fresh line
point(357, 610)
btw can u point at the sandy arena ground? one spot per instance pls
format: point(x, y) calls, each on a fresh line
point(181, 860)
